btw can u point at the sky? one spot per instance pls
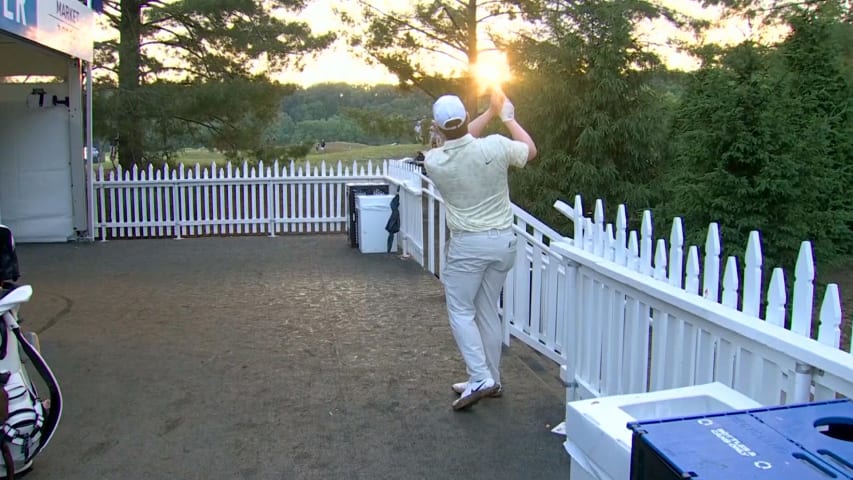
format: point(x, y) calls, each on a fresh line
point(339, 65)
point(336, 64)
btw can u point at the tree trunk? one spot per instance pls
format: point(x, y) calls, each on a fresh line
point(129, 123)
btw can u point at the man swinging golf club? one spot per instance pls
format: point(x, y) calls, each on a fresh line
point(471, 175)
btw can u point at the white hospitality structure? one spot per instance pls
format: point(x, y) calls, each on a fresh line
point(46, 47)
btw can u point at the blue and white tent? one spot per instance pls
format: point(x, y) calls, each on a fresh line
point(46, 47)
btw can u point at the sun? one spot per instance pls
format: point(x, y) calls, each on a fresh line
point(491, 69)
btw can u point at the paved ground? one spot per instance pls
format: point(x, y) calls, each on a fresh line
point(270, 358)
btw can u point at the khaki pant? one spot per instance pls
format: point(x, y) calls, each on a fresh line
point(473, 275)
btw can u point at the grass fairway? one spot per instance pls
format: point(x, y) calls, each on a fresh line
point(349, 152)
point(190, 156)
point(335, 151)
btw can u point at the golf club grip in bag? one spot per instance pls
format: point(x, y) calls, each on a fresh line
point(55, 411)
point(29, 421)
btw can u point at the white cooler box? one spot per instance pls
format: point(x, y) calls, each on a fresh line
point(597, 436)
point(373, 214)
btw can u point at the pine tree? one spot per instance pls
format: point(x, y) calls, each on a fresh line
point(197, 67)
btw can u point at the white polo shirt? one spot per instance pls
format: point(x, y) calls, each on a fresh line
point(471, 175)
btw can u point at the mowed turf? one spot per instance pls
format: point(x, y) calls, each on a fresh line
point(335, 151)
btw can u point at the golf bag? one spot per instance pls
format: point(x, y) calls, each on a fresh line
point(28, 420)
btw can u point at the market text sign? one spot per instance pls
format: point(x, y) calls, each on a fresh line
point(66, 26)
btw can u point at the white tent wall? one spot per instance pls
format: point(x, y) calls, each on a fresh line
point(42, 170)
point(43, 190)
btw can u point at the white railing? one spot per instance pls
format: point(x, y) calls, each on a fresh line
point(407, 178)
point(535, 281)
point(620, 311)
point(625, 314)
point(685, 326)
point(228, 200)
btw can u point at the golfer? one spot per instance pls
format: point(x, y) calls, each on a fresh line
point(471, 175)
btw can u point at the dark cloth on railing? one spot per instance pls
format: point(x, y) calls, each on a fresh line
point(393, 224)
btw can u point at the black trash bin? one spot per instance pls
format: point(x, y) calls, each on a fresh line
point(353, 189)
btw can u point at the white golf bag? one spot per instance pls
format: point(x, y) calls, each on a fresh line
point(30, 419)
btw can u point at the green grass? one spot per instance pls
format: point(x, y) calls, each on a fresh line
point(190, 156)
point(348, 153)
point(335, 151)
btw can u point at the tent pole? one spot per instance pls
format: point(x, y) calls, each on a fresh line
point(90, 182)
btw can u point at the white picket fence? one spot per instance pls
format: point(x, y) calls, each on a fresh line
point(619, 310)
point(623, 313)
point(624, 248)
point(228, 200)
point(677, 330)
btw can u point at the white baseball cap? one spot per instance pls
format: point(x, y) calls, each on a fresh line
point(449, 112)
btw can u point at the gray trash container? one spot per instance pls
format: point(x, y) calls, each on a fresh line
point(353, 189)
point(373, 212)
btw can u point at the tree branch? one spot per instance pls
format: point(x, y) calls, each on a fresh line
point(411, 26)
point(198, 122)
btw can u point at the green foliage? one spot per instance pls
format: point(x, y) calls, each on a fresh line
point(761, 137)
point(340, 112)
point(374, 123)
point(764, 141)
point(228, 115)
point(270, 153)
point(409, 41)
point(349, 153)
point(196, 69)
point(589, 101)
point(220, 39)
point(249, 125)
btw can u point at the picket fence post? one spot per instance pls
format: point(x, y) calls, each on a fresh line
point(777, 298)
point(646, 242)
point(177, 176)
point(676, 253)
point(711, 273)
point(803, 302)
point(271, 174)
point(102, 208)
point(621, 256)
point(752, 275)
point(829, 330)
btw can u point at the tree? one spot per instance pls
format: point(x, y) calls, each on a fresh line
point(376, 114)
point(590, 101)
point(764, 140)
point(433, 44)
point(394, 126)
point(199, 67)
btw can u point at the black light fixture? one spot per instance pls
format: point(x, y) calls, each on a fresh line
point(57, 101)
point(36, 98)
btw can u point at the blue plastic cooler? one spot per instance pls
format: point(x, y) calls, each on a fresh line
point(825, 429)
point(724, 446)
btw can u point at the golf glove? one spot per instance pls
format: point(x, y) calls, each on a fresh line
point(507, 111)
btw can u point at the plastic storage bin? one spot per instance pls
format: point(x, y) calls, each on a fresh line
point(373, 212)
point(725, 446)
point(599, 441)
point(351, 191)
point(824, 429)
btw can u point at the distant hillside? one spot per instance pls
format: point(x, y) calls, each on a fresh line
point(349, 152)
point(346, 152)
point(374, 115)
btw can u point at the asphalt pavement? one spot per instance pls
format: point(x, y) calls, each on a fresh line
point(294, 357)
